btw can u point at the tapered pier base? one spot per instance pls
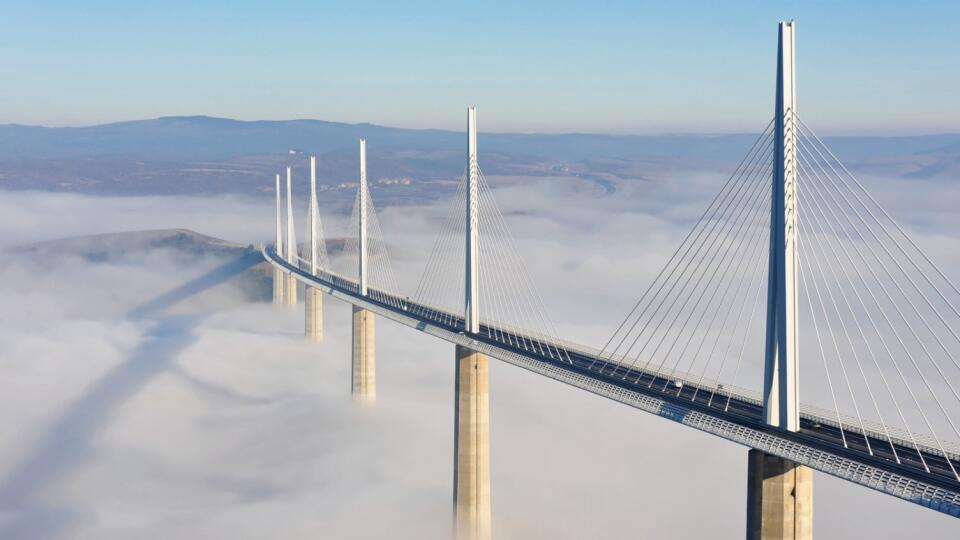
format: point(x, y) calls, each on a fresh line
point(779, 499)
point(471, 473)
point(364, 360)
point(314, 314)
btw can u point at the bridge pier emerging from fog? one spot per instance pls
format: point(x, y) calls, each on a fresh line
point(779, 498)
point(313, 314)
point(363, 356)
point(471, 443)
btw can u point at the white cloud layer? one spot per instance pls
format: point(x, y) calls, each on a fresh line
point(218, 420)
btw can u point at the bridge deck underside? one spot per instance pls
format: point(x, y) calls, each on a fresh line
point(818, 444)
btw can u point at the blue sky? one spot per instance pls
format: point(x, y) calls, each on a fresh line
point(619, 67)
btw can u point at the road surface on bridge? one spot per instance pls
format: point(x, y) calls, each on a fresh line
point(910, 479)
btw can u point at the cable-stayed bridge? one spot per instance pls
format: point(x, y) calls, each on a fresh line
point(793, 262)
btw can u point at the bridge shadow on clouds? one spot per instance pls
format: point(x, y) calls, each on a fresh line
point(193, 287)
point(70, 440)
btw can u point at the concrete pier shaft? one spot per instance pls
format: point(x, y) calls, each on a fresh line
point(313, 324)
point(471, 473)
point(779, 498)
point(279, 285)
point(364, 359)
point(290, 291)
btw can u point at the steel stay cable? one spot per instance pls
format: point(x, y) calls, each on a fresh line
point(501, 306)
point(487, 239)
point(740, 286)
point(510, 299)
point(499, 246)
point(374, 280)
point(917, 311)
point(889, 218)
point(525, 309)
point(736, 174)
point(823, 218)
point(382, 260)
point(391, 283)
point(711, 207)
point(734, 331)
point(904, 272)
point(509, 253)
point(727, 224)
point(450, 272)
point(909, 355)
point(836, 345)
point(688, 296)
point(728, 265)
point(816, 330)
point(728, 257)
point(742, 194)
point(896, 334)
point(737, 191)
point(438, 249)
point(743, 347)
point(539, 312)
point(353, 249)
point(702, 254)
point(426, 291)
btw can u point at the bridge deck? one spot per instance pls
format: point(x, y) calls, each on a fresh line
point(927, 481)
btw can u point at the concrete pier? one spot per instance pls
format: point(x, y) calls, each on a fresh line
point(314, 314)
point(779, 499)
point(279, 284)
point(471, 473)
point(364, 359)
point(290, 291)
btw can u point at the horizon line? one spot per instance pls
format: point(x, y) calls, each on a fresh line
point(876, 133)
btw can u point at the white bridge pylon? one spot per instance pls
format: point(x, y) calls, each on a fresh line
point(475, 279)
point(366, 255)
point(292, 249)
point(319, 260)
point(879, 320)
point(279, 283)
point(471, 315)
point(781, 382)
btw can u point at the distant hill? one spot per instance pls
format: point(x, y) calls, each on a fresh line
point(124, 246)
point(204, 155)
point(115, 246)
point(184, 244)
point(207, 138)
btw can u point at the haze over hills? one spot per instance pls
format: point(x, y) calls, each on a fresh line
point(183, 245)
point(116, 246)
point(199, 154)
point(210, 138)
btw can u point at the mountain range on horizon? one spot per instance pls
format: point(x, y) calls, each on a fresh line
point(207, 137)
point(208, 155)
